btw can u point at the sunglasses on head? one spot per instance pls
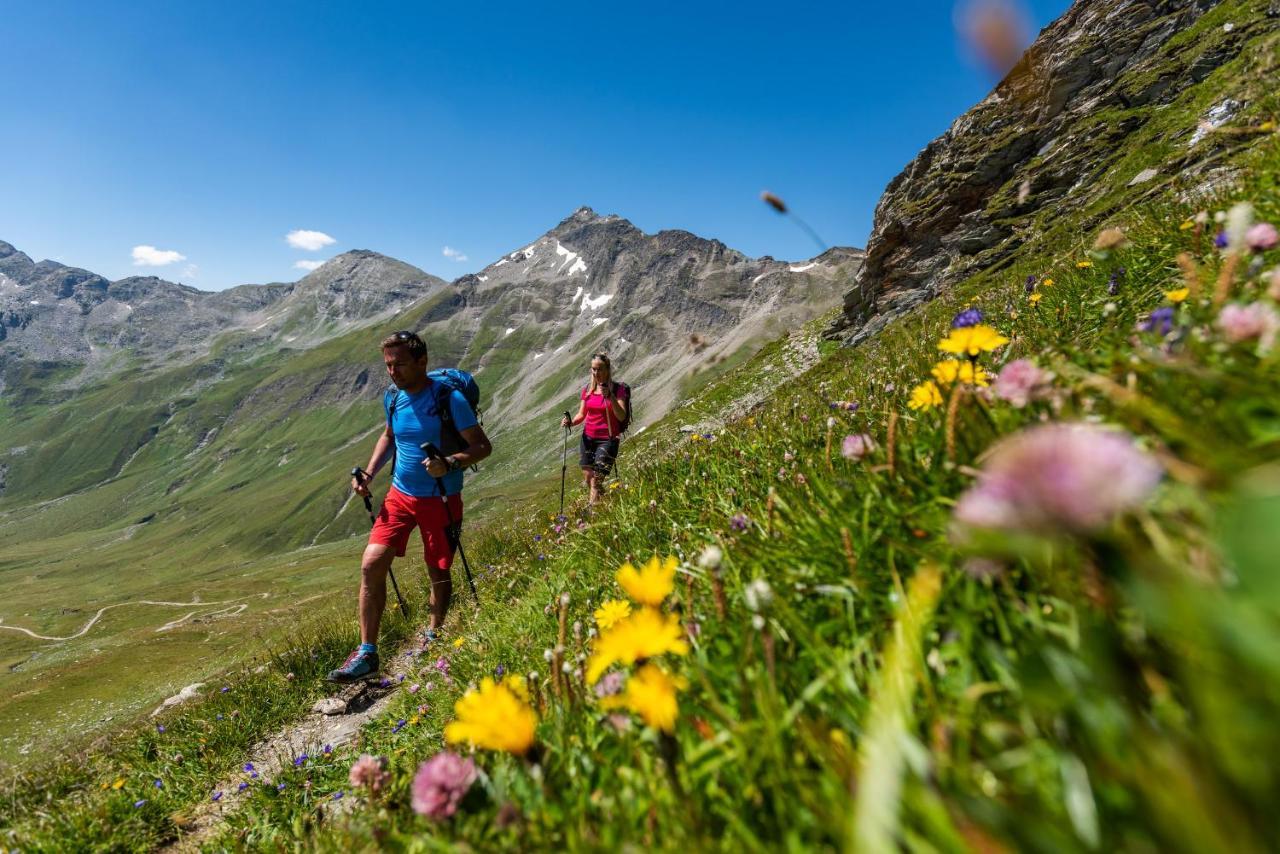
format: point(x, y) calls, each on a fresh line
point(406, 336)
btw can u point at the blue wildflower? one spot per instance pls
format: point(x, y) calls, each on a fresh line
point(297, 763)
point(138, 804)
point(280, 788)
point(1220, 240)
point(217, 796)
point(243, 786)
point(337, 796)
point(159, 784)
point(1159, 321)
point(498, 671)
point(968, 317)
point(328, 748)
point(1030, 284)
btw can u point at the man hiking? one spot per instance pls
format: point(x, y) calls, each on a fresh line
point(412, 406)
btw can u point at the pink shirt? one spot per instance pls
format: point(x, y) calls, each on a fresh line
point(600, 424)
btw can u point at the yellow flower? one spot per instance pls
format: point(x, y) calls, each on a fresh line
point(611, 612)
point(493, 717)
point(1187, 224)
point(925, 396)
point(1034, 299)
point(695, 437)
point(1081, 265)
point(972, 340)
point(1177, 294)
point(1267, 126)
point(615, 485)
point(645, 634)
point(458, 642)
point(651, 694)
point(1047, 283)
point(118, 784)
point(652, 584)
point(949, 370)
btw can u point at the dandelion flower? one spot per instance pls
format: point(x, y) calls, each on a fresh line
point(651, 584)
point(1177, 294)
point(1059, 477)
point(118, 784)
point(925, 396)
point(1034, 299)
point(441, 783)
point(493, 717)
point(1048, 283)
point(645, 634)
point(1083, 265)
point(610, 612)
point(651, 694)
point(972, 340)
point(949, 370)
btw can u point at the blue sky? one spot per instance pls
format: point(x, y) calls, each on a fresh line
point(212, 130)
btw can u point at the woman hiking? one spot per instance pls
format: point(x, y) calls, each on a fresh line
point(604, 409)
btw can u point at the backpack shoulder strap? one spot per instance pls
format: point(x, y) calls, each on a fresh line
point(389, 399)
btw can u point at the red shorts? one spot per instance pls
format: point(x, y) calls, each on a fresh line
point(401, 513)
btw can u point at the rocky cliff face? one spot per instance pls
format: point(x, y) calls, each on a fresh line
point(1113, 99)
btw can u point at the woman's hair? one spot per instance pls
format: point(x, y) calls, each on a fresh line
point(416, 346)
point(604, 357)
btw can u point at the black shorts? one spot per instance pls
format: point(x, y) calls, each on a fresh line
point(597, 454)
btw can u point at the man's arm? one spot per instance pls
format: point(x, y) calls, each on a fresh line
point(376, 460)
point(478, 448)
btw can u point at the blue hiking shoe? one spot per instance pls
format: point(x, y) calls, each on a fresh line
point(357, 666)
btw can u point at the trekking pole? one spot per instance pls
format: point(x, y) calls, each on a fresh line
point(360, 476)
point(433, 453)
point(564, 459)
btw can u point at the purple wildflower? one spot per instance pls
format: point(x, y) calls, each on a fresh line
point(225, 689)
point(1220, 239)
point(441, 783)
point(1241, 323)
point(248, 767)
point(853, 406)
point(217, 796)
point(1113, 285)
point(384, 682)
point(159, 727)
point(739, 522)
point(610, 684)
point(399, 725)
point(1073, 477)
point(1020, 382)
point(498, 671)
point(1030, 284)
point(298, 762)
point(856, 446)
point(138, 804)
point(243, 785)
point(968, 317)
point(280, 788)
point(219, 716)
point(328, 748)
point(337, 796)
point(537, 538)
point(1262, 237)
point(369, 771)
point(1159, 321)
point(159, 784)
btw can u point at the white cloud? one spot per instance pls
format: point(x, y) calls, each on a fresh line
point(311, 241)
point(450, 252)
point(149, 256)
point(306, 265)
point(191, 272)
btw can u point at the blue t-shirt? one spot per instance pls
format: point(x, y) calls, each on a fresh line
point(415, 421)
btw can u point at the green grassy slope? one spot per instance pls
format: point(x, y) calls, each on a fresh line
point(1108, 692)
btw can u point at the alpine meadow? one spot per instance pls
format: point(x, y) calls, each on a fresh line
point(962, 541)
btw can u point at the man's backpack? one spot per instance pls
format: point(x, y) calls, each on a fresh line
point(444, 381)
point(626, 421)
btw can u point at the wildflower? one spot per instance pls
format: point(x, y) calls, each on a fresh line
point(611, 684)
point(442, 666)
point(1030, 284)
point(1034, 299)
point(856, 446)
point(225, 689)
point(138, 804)
point(415, 688)
point(651, 584)
point(651, 694)
point(118, 784)
point(441, 783)
point(1177, 295)
point(299, 760)
point(711, 557)
point(459, 642)
point(217, 796)
point(159, 784)
point(1187, 225)
point(1159, 321)
point(400, 724)
point(1220, 239)
point(644, 634)
point(369, 772)
point(280, 788)
point(1239, 219)
point(739, 522)
point(758, 594)
point(925, 396)
point(500, 669)
point(968, 317)
point(328, 748)
point(1076, 477)
point(1241, 323)
point(1113, 285)
point(1020, 381)
point(610, 612)
point(1047, 283)
point(1261, 237)
point(949, 370)
point(1111, 238)
point(337, 796)
point(493, 717)
point(972, 340)
point(1083, 265)
point(243, 785)
point(159, 727)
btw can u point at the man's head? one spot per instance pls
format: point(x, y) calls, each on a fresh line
point(405, 355)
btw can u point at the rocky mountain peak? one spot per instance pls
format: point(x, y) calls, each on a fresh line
point(1070, 128)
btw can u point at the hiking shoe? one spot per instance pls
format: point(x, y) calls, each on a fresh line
point(357, 666)
point(429, 636)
